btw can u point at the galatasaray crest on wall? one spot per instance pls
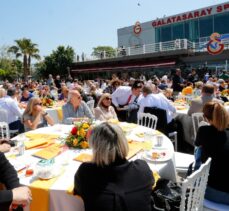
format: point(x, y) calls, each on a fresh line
point(137, 28)
point(215, 45)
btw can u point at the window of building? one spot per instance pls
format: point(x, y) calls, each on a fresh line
point(178, 31)
point(186, 30)
point(166, 33)
point(221, 23)
point(206, 26)
point(158, 35)
point(194, 30)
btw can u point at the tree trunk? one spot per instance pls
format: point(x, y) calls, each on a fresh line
point(29, 64)
point(25, 66)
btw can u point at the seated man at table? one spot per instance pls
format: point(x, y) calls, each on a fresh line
point(161, 102)
point(13, 111)
point(75, 108)
point(14, 193)
point(26, 95)
point(207, 95)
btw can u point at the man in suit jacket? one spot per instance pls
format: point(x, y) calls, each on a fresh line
point(207, 95)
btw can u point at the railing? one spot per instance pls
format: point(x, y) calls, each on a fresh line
point(178, 44)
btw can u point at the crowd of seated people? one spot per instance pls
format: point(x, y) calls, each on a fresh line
point(121, 100)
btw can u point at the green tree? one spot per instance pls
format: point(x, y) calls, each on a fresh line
point(26, 49)
point(57, 63)
point(9, 68)
point(103, 51)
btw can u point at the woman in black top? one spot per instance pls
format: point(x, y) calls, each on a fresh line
point(110, 182)
point(214, 142)
point(13, 193)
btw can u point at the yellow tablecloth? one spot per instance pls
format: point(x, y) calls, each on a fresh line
point(60, 113)
point(40, 193)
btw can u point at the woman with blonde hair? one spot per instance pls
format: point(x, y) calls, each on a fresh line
point(34, 115)
point(213, 139)
point(104, 109)
point(2, 92)
point(110, 181)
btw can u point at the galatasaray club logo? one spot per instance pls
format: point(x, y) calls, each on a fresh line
point(137, 28)
point(215, 45)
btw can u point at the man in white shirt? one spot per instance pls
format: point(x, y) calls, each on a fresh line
point(13, 111)
point(125, 96)
point(157, 100)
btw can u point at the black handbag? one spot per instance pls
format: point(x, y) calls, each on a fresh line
point(166, 196)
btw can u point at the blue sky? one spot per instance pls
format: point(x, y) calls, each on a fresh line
point(81, 24)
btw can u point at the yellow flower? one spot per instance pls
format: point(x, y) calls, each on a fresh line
point(75, 142)
point(187, 90)
point(85, 125)
point(82, 132)
point(84, 144)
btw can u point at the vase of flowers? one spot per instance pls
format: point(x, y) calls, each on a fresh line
point(48, 102)
point(225, 92)
point(79, 135)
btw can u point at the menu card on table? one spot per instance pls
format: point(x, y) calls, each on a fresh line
point(49, 152)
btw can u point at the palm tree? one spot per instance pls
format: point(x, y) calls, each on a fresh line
point(28, 50)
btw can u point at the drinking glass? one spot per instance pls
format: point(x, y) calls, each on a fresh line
point(148, 140)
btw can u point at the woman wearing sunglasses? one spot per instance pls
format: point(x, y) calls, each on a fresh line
point(34, 115)
point(104, 110)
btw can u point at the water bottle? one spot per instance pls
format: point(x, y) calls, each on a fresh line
point(21, 147)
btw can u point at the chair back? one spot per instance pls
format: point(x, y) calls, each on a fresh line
point(196, 119)
point(161, 116)
point(193, 188)
point(162, 124)
point(3, 115)
point(147, 120)
point(4, 131)
point(91, 104)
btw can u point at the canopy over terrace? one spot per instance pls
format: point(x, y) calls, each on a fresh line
point(117, 66)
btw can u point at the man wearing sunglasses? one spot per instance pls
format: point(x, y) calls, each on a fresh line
point(75, 108)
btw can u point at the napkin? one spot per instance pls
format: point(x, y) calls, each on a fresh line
point(134, 148)
point(35, 136)
point(140, 135)
point(49, 152)
point(83, 157)
point(156, 178)
point(34, 143)
point(180, 107)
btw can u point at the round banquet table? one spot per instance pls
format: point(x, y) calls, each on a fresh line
point(58, 195)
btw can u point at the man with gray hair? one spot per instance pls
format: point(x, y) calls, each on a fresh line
point(157, 100)
point(75, 108)
point(207, 95)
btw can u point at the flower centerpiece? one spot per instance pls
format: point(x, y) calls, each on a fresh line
point(225, 92)
point(47, 102)
point(79, 135)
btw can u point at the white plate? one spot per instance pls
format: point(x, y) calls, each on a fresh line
point(48, 174)
point(162, 155)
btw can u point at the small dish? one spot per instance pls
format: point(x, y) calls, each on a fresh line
point(156, 155)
